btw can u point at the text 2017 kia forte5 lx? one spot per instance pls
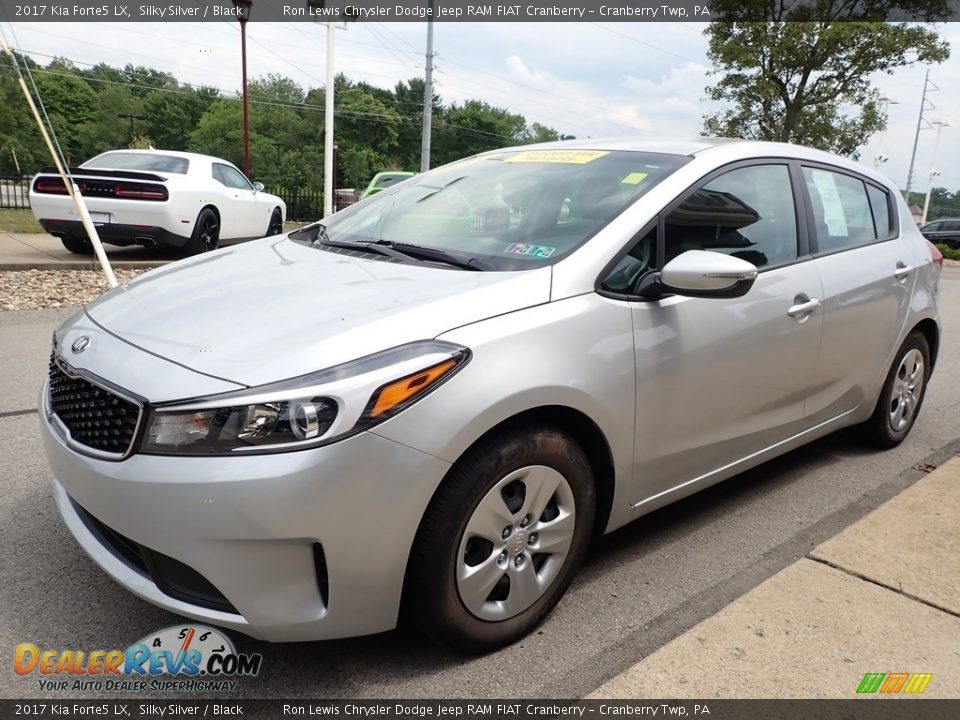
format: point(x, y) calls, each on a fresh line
point(434, 400)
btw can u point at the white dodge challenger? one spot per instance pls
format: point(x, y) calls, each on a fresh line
point(153, 197)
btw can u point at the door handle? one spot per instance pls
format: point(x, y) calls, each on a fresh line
point(805, 306)
point(902, 271)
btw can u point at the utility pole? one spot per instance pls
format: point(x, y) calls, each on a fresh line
point(427, 98)
point(328, 101)
point(243, 14)
point(933, 168)
point(916, 137)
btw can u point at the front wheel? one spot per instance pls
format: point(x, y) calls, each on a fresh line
point(276, 224)
point(902, 394)
point(206, 233)
point(501, 539)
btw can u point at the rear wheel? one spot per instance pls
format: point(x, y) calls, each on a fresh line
point(276, 223)
point(206, 233)
point(902, 394)
point(76, 245)
point(501, 539)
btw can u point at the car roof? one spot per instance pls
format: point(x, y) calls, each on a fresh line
point(722, 150)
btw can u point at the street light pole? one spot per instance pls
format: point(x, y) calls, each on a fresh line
point(131, 117)
point(243, 14)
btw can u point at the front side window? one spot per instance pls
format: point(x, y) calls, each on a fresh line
point(231, 177)
point(512, 210)
point(841, 211)
point(747, 212)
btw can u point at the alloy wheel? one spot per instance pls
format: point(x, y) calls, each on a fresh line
point(906, 390)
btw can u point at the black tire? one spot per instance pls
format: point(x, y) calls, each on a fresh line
point(432, 597)
point(76, 245)
point(206, 233)
point(276, 223)
point(883, 429)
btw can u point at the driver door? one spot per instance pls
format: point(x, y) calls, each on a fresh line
point(242, 204)
point(721, 380)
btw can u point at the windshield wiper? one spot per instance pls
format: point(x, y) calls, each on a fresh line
point(396, 250)
point(371, 247)
point(433, 255)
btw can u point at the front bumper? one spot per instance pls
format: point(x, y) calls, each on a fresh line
point(250, 526)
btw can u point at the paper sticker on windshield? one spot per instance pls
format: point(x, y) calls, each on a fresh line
point(538, 251)
point(634, 178)
point(571, 157)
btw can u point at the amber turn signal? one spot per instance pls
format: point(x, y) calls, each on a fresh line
point(400, 391)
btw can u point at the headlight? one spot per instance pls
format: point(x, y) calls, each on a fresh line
point(303, 412)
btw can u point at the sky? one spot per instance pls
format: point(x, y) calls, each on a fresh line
point(584, 79)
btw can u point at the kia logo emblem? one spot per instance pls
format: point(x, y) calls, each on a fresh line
point(80, 344)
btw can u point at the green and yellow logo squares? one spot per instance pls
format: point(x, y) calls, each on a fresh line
point(894, 683)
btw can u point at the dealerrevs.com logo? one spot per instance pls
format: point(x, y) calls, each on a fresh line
point(188, 658)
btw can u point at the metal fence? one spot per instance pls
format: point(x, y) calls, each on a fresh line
point(15, 191)
point(303, 204)
point(306, 204)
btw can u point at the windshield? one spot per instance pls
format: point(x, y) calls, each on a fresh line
point(511, 210)
point(139, 161)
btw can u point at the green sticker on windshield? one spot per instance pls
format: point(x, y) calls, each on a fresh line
point(634, 178)
point(540, 251)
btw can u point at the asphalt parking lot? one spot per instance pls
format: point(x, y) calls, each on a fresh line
point(640, 587)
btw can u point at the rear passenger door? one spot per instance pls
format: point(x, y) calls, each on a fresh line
point(867, 273)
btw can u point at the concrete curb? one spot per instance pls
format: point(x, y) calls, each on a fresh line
point(816, 626)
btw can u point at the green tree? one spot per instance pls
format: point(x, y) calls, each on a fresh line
point(803, 75)
point(475, 127)
point(18, 131)
point(171, 116)
point(70, 103)
point(105, 131)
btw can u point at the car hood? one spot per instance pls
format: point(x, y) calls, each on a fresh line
point(274, 309)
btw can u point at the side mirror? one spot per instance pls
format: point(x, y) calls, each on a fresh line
point(700, 273)
point(258, 187)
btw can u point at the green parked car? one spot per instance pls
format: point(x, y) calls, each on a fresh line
point(383, 180)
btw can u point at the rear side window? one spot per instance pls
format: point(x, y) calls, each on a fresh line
point(880, 205)
point(842, 213)
point(139, 161)
point(950, 226)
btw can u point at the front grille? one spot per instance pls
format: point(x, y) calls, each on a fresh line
point(93, 415)
point(171, 576)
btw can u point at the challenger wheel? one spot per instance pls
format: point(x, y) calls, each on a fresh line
point(276, 223)
point(902, 394)
point(206, 233)
point(501, 539)
point(76, 245)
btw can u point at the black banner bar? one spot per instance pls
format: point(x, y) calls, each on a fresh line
point(873, 708)
point(446, 11)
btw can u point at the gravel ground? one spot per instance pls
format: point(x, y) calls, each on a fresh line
point(39, 289)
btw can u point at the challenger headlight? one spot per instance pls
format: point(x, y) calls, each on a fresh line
point(307, 411)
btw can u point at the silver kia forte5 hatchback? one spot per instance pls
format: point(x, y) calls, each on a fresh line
point(431, 402)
